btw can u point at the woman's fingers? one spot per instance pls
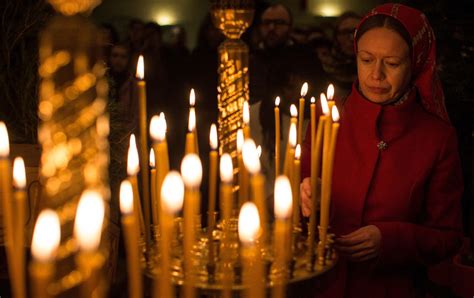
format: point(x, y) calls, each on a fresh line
point(352, 249)
point(305, 188)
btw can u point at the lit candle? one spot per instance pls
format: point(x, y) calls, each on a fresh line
point(226, 174)
point(143, 146)
point(191, 143)
point(133, 167)
point(44, 245)
point(211, 218)
point(160, 146)
point(191, 171)
point(277, 136)
point(282, 241)
point(257, 181)
point(172, 194)
point(243, 174)
point(130, 231)
point(326, 199)
point(330, 92)
point(290, 153)
point(315, 168)
point(88, 232)
point(249, 231)
point(154, 211)
point(288, 156)
point(304, 90)
point(19, 182)
point(5, 186)
point(296, 187)
point(246, 119)
point(259, 151)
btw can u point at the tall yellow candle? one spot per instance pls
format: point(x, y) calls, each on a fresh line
point(191, 171)
point(282, 232)
point(130, 231)
point(46, 238)
point(143, 145)
point(132, 169)
point(294, 137)
point(304, 90)
point(296, 187)
point(211, 218)
point(19, 182)
point(190, 146)
point(277, 136)
point(243, 174)
point(154, 202)
point(257, 181)
point(226, 174)
point(88, 232)
point(246, 119)
point(172, 194)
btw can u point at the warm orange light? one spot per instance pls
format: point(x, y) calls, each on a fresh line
point(191, 170)
point(152, 158)
point(89, 219)
point(19, 176)
point(246, 113)
point(126, 197)
point(213, 137)
point(250, 156)
point(249, 223)
point(298, 151)
point(140, 68)
point(283, 197)
point(313, 100)
point(240, 140)
point(192, 120)
point(292, 135)
point(304, 89)
point(330, 92)
point(133, 164)
point(172, 192)
point(277, 101)
point(226, 168)
point(46, 236)
point(4, 141)
point(192, 98)
point(293, 111)
point(324, 104)
point(335, 114)
point(158, 128)
point(259, 151)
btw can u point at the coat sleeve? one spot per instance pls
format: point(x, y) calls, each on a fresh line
point(439, 235)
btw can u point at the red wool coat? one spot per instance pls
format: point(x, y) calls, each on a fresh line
point(410, 190)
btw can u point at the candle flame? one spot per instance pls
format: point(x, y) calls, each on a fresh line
point(293, 111)
point(246, 113)
point(277, 101)
point(46, 236)
point(313, 100)
point(192, 120)
point(324, 104)
point(152, 158)
point(226, 168)
point(89, 219)
point(335, 114)
point(283, 197)
point(140, 68)
point(304, 89)
point(292, 136)
point(191, 170)
point(298, 152)
point(249, 223)
point(158, 128)
point(330, 92)
point(213, 137)
point(19, 176)
point(133, 165)
point(240, 140)
point(192, 98)
point(4, 141)
point(126, 197)
point(250, 156)
point(259, 151)
point(172, 192)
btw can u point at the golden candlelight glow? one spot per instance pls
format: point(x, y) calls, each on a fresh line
point(277, 101)
point(133, 163)
point(192, 120)
point(246, 113)
point(158, 128)
point(283, 197)
point(293, 135)
point(313, 100)
point(4, 141)
point(103, 126)
point(293, 111)
point(304, 89)
point(89, 219)
point(250, 156)
point(240, 140)
point(335, 114)
point(152, 158)
point(192, 98)
point(249, 223)
point(163, 119)
point(46, 236)
point(191, 170)
point(259, 151)
point(324, 104)
point(126, 197)
point(213, 137)
point(19, 176)
point(172, 192)
point(330, 92)
point(298, 152)
point(226, 168)
point(140, 68)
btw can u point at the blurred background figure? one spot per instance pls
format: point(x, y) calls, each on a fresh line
point(135, 35)
point(108, 38)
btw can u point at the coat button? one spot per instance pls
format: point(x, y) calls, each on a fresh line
point(382, 145)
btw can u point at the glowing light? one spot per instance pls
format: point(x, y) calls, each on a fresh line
point(259, 151)
point(249, 223)
point(89, 219)
point(46, 236)
point(191, 170)
point(192, 120)
point(192, 98)
point(132, 160)
point(19, 176)
point(277, 101)
point(4, 141)
point(330, 92)
point(140, 68)
point(240, 140)
point(283, 197)
point(158, 128)
point(313, 100)
point(292, 136)
point(126, 197)
point(165, 18)
point(172, 192)
point(213, 137)
point(246, 113)
point(324, 104)
point(327, 10)
point(298, 151)
point(293, 111)
point(226, 168)
point(335, 114)
point(250, 156)
point(304, 89)
point(152, 158)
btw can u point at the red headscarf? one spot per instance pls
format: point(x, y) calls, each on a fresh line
point(423, 54)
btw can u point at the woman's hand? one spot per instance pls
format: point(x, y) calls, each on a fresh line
point(305, 191)
point(360, 245)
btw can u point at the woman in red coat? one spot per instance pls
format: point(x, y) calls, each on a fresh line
point(397, 178)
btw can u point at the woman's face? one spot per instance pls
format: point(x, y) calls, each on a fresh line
point(383, 65)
